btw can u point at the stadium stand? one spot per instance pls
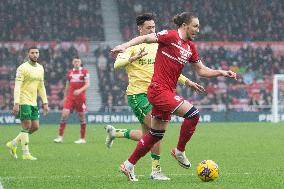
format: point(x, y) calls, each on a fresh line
point(220, 20)
point(255, 67)
point(62, 20)
point(82, 20)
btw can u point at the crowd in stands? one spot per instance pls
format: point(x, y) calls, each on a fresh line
point(230, 20)
point(52, 20)
point(56, 63)
point(70, 20)
point(251, 92)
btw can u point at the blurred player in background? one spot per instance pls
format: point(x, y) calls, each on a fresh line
point(28, 83)
point(175, 50)
point(139, 64)
point(75, 99)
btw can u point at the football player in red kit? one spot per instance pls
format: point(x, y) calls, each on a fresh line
point(75, 99)
point(174, 51)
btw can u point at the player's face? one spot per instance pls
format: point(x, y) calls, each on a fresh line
point(147, 28)
point(76, 63)
point(192, 28)
point(33, 55)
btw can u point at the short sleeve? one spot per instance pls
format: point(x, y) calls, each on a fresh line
point(195, 56)
point(165, 36)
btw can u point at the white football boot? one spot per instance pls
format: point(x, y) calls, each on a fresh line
point(110, 131)
point(128, 169)
point(59, 139)
point(181, 158)
point(80, 141)
point(158, 175)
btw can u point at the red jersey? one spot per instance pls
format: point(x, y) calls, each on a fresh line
point(77, 79)
point(173, 53)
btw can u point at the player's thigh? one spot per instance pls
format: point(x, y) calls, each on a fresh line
point(164, 104)
point(147, 120)
point(80, 105)
point(159, 124)
point(35, 113)
point(65, 113)
point(26, 124)
point(145, 128)
point(141, 107)
point(183, 108)
point(35, 124)
point(25, 112)
point(68, 104)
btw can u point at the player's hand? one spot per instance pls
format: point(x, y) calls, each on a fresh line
point(194, 86)
point(45, 109)
point(229, 74)
point(16, 109)
point(118, 49)
point(139, 55)
point(77, 92)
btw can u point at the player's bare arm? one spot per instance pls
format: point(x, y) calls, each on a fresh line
point(138, 55)
point(66, 89)
point(194, 86)
point(78, 91)
point(190, 84)
point(16, 109)
point(45, 109)
point(204, 71)
point(149, 38)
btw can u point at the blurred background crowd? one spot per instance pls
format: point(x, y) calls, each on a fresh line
point(70, 20)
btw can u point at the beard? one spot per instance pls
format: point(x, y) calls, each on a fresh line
point(33, 59)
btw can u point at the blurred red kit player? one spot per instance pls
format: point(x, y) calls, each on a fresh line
point(75, 99)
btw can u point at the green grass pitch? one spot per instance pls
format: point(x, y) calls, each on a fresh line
point(250, 155)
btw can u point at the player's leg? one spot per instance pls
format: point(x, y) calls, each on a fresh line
point(140, 107)
point(23, 137)
point(156, 173)
point(67, 107)
point(83, 125)
point(81, 109)
point(113, 133)
point(63, 123)
point(191, 117)
point(35, 119)
point(123, 133)
point(34, 126)
point(144, 146)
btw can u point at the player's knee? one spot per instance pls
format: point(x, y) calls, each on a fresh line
point(158, 134)
point(83, 121)
point(33, 129)
point(193, 113)
point(63, 119)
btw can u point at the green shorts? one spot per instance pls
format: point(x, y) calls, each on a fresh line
point(28, 112)
point(139, 105)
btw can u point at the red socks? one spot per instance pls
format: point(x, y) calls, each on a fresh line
point(145, 145)
point(186, 131)
point(83, 130)
point(62, 128)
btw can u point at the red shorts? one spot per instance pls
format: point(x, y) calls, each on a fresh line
point(78, 104)
point(164, 102)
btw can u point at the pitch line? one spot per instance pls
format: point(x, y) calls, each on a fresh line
point(80, 176)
